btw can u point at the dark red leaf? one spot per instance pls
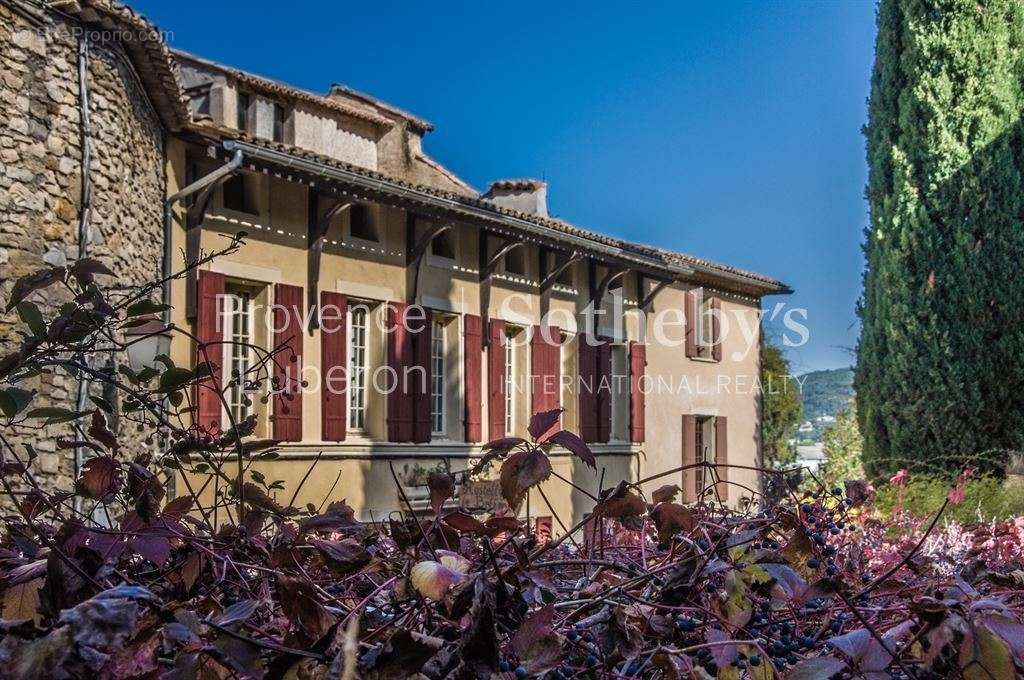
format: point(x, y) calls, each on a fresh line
point(442, 487)
point(461, 521)
point(543, 421)
point(520, 472)
point(100, 478)
point(576, 446)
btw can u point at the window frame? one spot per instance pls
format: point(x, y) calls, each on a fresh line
point(510, 380)
point(279, 119)
point(438, 377)
point(357, 388)
point(620, 394)
point(242, 112)
point(236, 297)
point(704, 442)
point(704, 329)
point(373, 219)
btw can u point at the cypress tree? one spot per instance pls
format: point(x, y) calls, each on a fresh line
point(940, 371)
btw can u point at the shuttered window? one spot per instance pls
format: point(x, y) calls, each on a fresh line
point(238, 321)
point(357, 367)
point(437, 378)
point(510, 382)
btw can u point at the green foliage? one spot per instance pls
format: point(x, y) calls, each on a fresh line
point(843, 447)
point(986, 499)
point(781, 406)
point(826, 393)
point(940, 373)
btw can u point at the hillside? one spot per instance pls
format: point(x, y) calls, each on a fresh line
point(825, 392)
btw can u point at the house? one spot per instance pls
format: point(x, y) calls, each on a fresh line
point(366, 260)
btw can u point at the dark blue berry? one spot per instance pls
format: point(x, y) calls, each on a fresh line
point(521, 672)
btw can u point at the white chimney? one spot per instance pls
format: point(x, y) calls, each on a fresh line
point(524, 195)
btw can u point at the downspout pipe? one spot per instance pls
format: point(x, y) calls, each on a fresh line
point(200, 184)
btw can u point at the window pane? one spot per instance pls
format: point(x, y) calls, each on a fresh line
point(239, 335)
point(242, 113)
point(510, 384)
point(437, 374)
point(357, 368)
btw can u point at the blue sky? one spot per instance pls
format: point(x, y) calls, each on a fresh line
point(726, 130)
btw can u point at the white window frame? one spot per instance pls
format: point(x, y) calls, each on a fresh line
point(510, 382)
point(358, 366)
point(620, 393)
point(238, 304)
point(438, 368)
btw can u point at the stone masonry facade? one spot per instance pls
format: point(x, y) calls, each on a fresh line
point(41, 179)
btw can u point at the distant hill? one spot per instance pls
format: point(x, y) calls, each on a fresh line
point(826, 392)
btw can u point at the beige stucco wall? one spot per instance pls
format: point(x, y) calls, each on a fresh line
point(359, 469)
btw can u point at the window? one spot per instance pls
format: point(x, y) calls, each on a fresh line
point(238, 325)
point(703, 306)
point(515, 261)
point(361, 224)
point(242, 111)
point(510, 382)
point(705, 453)
point(565, 277)
point(357, 352)
point(278, 123)
point(437, 377)
point(242, 193)
point(620, 393)
point(443, 245)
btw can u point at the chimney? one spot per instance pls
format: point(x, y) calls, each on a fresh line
point(524, 195)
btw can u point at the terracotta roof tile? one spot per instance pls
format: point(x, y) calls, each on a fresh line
point(709, 269)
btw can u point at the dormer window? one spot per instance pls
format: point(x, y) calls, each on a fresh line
point(279, 117)
point(242, 104)
point(361, 224)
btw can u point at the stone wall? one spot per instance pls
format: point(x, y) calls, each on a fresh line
point(41, 180)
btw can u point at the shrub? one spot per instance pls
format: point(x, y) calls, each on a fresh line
point(986, 498)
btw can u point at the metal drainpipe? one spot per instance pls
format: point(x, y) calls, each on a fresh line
point(85, 136)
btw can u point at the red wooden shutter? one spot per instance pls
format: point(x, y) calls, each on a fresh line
point(716, 329)
point(418, 388)
point(587, 388)
point(288, 317)
point(334, 366)
point(689, 457)
point(545, 371)
point(209, 332)
point(637, 367)
point(472, 349)
point(604, 394)
point(691, 312)
point(538, 369)
point(722, 456)
point(496, 379)
point(399, 356)
point(554, 371)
